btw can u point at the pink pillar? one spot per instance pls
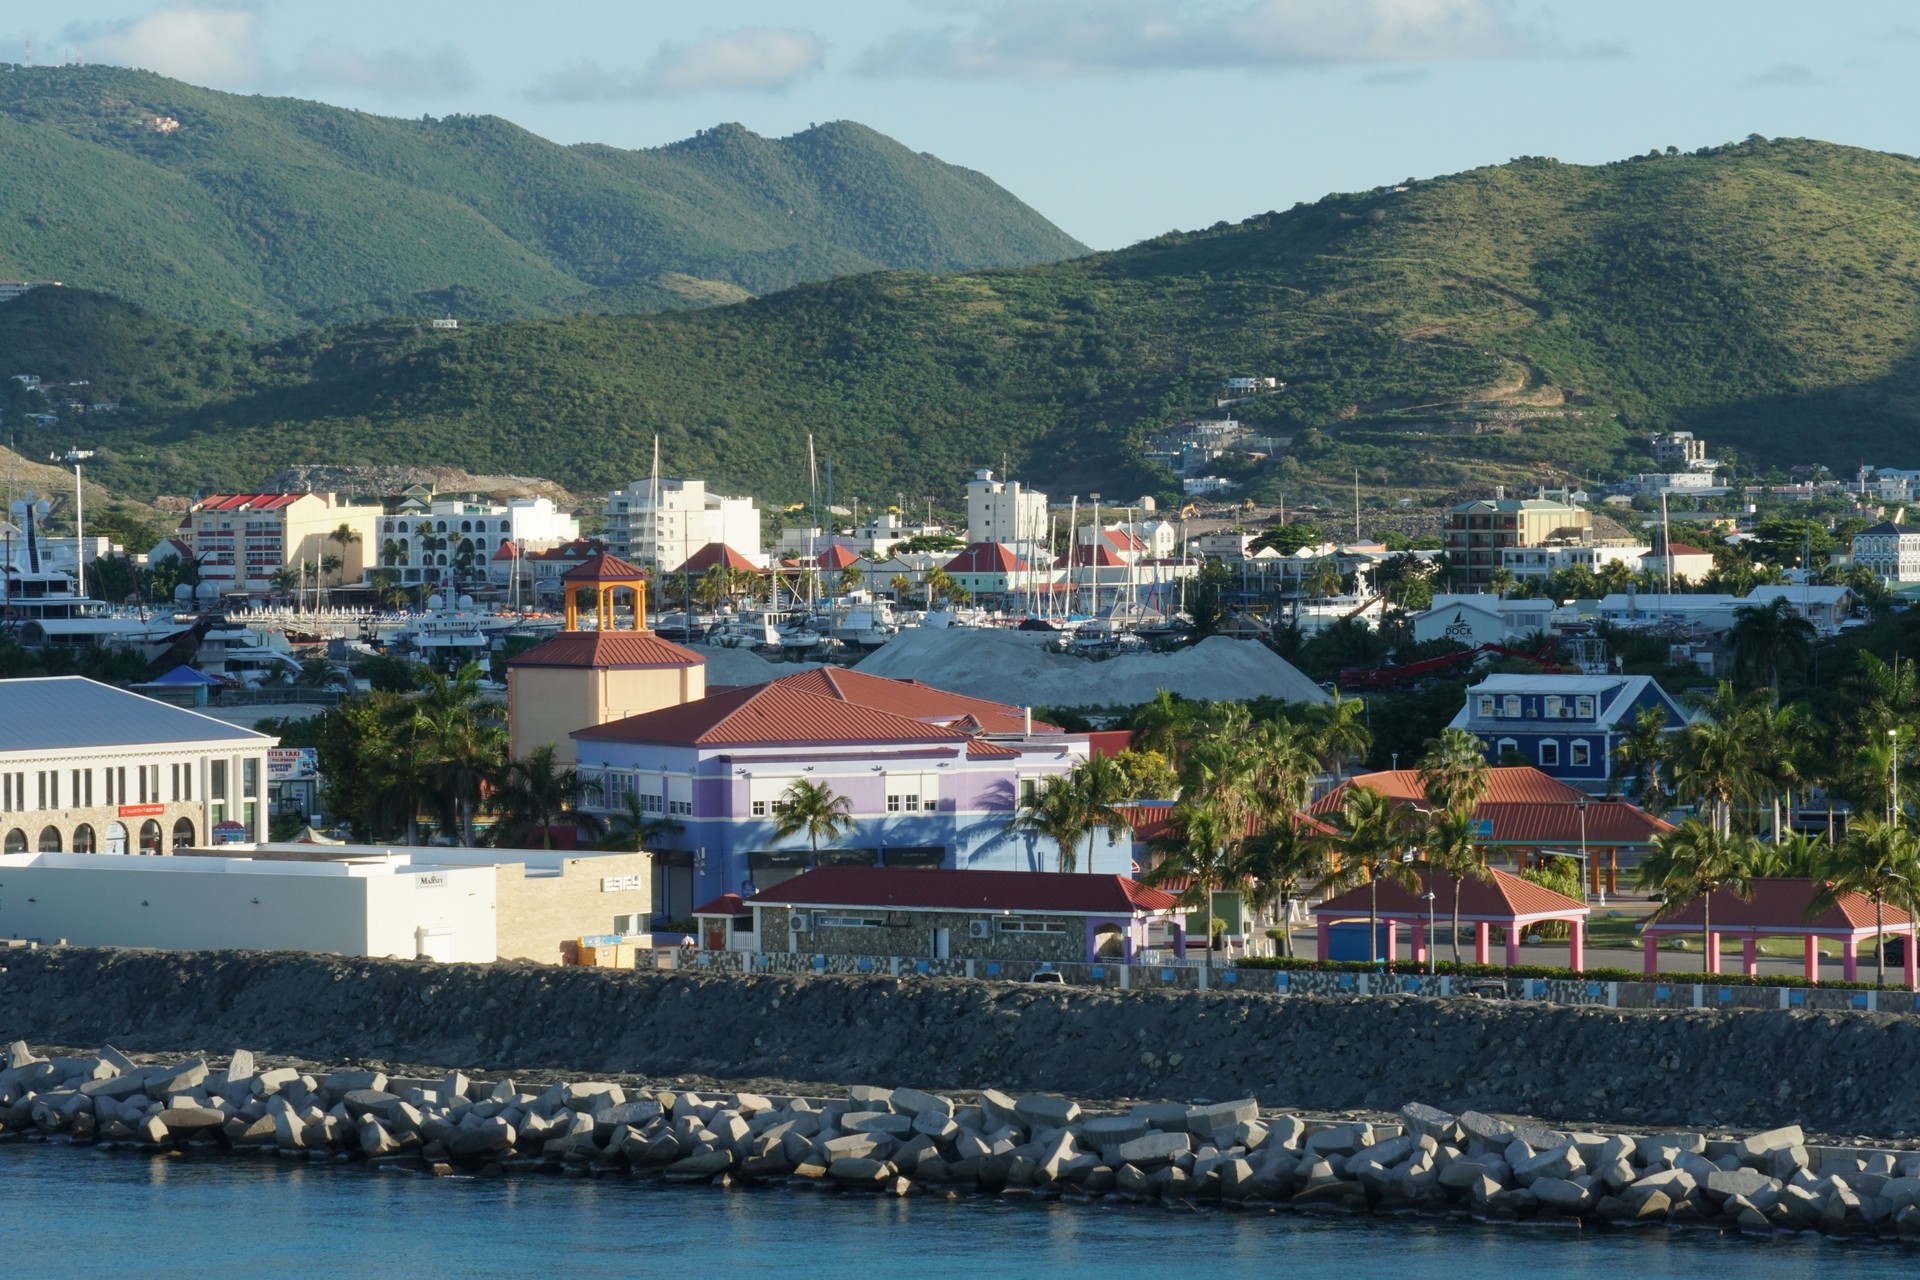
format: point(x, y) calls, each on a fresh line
point(1650, 953)
point(1813, 959)
point(1913, 962)
point(1713, 952)
point(1323, 928)
point(1419, 943)
point(1577, 945)
point(1850, 959)
point(1750, 956)
point(1513, 945)
point(1482, 942)
point(1391, 948)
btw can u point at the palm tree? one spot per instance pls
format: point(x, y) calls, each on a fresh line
point(812, 808)
point(631, 829)
point(1768, 637)
point(393, 551)
point(1273, 861)
point(1282, 767)
point(1100, 785)
point(1339, 732)
point(343, 537)
point(901, 586)
point(1369, 849)
point(1323, 579)
point(1644, 750)
point(1692, 861)
point(1795, 856)
point(1052, 812)
point(1163, 724)
point(537, 793)
point(1454, 772)
point(1448, 842)
point(329, 563)
point(1877, 860)
point(1715, 759)
point(465, 743)
point(1200, 844)
point(285, 581)
point(1500, 581)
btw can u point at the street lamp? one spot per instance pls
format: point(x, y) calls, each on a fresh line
point(1893, 767)
point(76, 457)
point(1433, 941)
point(1586, 863)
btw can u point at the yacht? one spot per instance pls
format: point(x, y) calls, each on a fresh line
point(449, 638)
point(752, 629)
point(44, 610)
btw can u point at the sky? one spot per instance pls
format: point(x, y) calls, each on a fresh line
point(1117, 119)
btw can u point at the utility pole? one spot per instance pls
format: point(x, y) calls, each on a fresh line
point(76, 457)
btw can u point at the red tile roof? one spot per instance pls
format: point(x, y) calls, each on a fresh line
point(768, 713)
point(607, 649)
point(1501, 898)
point(251, 501)
point(837, 557)
point(727, 904)
point(940, 889)
point(909, 698)
point(1100, 556)
point(1780, 907)
point(602, 567)
point(1525, 806)
point(578, 549)
point(506, 550)
point(1150, 821)
point(715, 554)
point(986, 557)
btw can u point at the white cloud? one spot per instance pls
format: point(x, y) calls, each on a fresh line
point(750, 60)
point(204, 43)
point(1082, 37)
point(1782, 75)
point(219, 43)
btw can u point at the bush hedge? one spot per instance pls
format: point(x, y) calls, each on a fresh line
point(1449, 969)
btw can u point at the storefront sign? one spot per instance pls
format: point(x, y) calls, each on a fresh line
point(621, 884)
point(142, 810)
point(288, 764)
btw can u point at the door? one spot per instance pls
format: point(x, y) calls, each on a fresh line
point(940, 944)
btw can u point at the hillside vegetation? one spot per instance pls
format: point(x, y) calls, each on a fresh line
point(262, 214)
point(1519, 323)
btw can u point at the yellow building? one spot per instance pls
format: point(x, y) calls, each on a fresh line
point(1477, 532)
point(583, 678)
point(241, 539)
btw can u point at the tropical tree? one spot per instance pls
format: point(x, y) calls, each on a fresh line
point(1447, 840)
point(901, 586)
point(1100, 786)
point(1694, 860)
point(536, 794)
point(460, 743)
point(811, 809)
point(393, 551)
point(1340, 732)
point(1273, 862)
point(1373, 836)
point(1163, 724)
point(343, 537)
point(285, 580)
point(1716, 760)
point(1644, 751)
point(329, 563)
point(1201, 845)
point(1878, 860)
point(1766, 638)
point(1454, 772)
point(1051, 811)
point(1794, 856)
point(1281, 768)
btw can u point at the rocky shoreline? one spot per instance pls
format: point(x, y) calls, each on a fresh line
point(907, 1142)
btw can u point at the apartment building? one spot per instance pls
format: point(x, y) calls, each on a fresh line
point(686, 518)
point(429, 541)
point(1477, 533)
point(241, 539)
point(1004, 511)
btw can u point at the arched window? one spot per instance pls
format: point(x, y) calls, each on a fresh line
point(443, 526)
point(183, 834)
point(50, 840)
point(150, 836)
point(16, 841)
point(83, 839)
point(466, 526)
point(116, 838)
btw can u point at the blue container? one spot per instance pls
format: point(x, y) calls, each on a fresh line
point(1349, 942)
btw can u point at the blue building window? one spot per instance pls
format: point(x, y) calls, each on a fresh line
point(1549, 753)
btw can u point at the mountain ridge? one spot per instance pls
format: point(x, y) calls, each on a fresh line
point(1521, 323)
point(252, 213)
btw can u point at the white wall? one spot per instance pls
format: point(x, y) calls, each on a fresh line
point(193, 904)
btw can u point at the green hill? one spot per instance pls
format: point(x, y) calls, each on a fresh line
point(1520, 323)
point(260, 214)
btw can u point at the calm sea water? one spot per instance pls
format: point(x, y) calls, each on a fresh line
point(67, 1212)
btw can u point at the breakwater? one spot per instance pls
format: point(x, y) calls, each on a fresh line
point(1834, 1072)
point(904, 1141)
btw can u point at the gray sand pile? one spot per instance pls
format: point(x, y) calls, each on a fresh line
point(1015, 667)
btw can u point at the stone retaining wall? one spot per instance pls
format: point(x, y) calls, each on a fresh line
point(1834, 1071)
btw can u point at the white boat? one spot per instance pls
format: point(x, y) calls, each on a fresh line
point(867, 622)
point(755, 629)
point(43, 608)
point(232, 650)
point(449, 638)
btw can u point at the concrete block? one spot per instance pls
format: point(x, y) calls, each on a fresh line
point(1044, 1111)
point(913, 1102)
point(1759, 1145)
point(1439, 1125)
point(1561, 1162)
point(1153, 1148)
point(1490, 1130)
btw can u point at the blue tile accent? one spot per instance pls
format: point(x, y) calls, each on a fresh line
point(1346, 980)
point(1663, 993)
point(1594, 991)
point(922, 966)
point(1231, 977)
point(865, 965)
point(1723, 995)
point(1537, 988)
point(1283, 981)
point(820, 964)
point(1166, 975)
point(993, 970)
point(1099, 972)
point(1800, 997)
point(1859, 999)
point(759, 962)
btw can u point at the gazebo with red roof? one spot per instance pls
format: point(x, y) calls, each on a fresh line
point(1527, 810)
point(1777, 908)
point(1499, 899)
point(606, 575)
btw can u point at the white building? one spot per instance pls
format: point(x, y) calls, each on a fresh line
point(1890, 551)
point(1206, 486)
point(1655, 483)
point(1482, 618)
point(88, 768)
point(688, 518)
point(11, 289)
point(425, 544)
point(1004, 512)
point(1540, 562)
point(873, 540)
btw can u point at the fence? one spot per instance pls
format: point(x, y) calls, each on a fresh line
point(1194, 975)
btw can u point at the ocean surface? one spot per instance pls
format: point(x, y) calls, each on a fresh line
point(71, 1211)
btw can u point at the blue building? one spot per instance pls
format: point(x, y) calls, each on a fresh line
point(1565, 726)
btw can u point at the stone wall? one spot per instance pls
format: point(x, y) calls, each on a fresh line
point(1834, 1071)
point(912, 934)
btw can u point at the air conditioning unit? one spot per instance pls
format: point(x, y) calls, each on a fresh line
point(980, 929)
point(802, 922)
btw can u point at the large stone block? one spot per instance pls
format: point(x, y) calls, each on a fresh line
point(1111, 1131)
point(1439, 1125)
point(1760, 1145)
point(913, 1102)
point(1153, 1148)
point(1561, 1162)
point(889, 1122)
point(1494, 1132)
point(1045, 1111)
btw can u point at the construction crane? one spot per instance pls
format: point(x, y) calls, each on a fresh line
point(1391, 676)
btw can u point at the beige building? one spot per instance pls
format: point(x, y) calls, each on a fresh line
point(580, 679)
point(88, 768)
point(240, 539)
point(1477, 533)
